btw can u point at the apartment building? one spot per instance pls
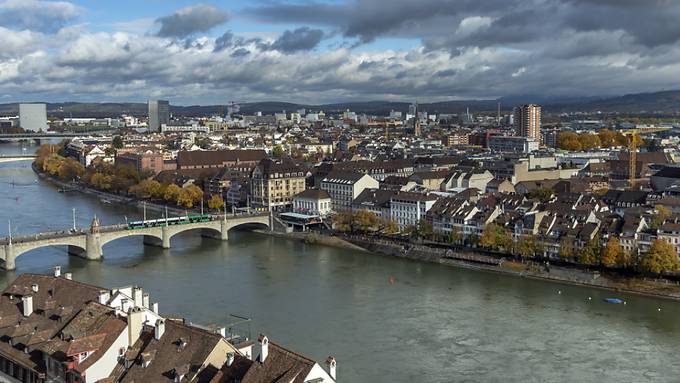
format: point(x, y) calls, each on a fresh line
point(344, 187)
point(275, 182)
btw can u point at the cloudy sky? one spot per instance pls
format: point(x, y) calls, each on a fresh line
point(342, 50)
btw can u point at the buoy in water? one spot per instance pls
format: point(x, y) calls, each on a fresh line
point(658, 309)
point(391, 279)
point(559, 292)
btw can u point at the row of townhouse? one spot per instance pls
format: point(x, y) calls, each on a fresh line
point(55, 329)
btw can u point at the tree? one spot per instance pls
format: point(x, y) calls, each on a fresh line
point(278, 151)
point(344, 222)
point(70, 170)
point(184, 198)
point(495, 237)
point(528, 246)
point(566, 249)
point(589, 141)
point(590, 253)
point(455, 235)
point(117, 142)
point(661, 214)
point(216, 202)
point(389, 227)
point(660, 258)
point(568, 141)
point(612, 253)
point(365, 220)
point(145, 189)
point(101, 181)
point(607, 138)
point(172, 192)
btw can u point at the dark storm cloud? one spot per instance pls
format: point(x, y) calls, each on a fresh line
point(34, 15)
point(188, 21)
point(651, 23)
point(301, 39)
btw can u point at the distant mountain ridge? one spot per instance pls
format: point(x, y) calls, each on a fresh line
point(658, 102)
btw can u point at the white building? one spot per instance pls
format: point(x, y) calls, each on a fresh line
point(165, 128)
point(408, 208)
point(313, 202)
point(33, 117)
point(344, 187)
point(513, 144)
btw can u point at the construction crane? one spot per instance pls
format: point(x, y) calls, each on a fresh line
point(633, 136)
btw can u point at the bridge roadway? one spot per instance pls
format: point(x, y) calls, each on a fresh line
point(10, 158)
point(88, 243)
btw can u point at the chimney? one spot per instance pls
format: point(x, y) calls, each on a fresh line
point(155, 308)
point(35, 287)
point(332, 364)
point(27, 304)
point(68, 276)
point(230, 359)
point(103, 297)
point(125, 304)
point(160, 328)
point(263, 342)
point(145, 300)
point(135, 319)
point(222, 331)
point(57, 271)
point(137, 296)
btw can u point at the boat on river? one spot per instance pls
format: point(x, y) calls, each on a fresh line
point(614, 300)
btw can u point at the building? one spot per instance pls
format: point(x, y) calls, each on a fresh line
point(527, 121)
point(505, 144)
point(344, 187)
point(275, 182)
point(33, 117)
point(407, 208)
point(312, 201)
point(147, 161)
point(55, 329)
point(217, 159)
point(159, 114)
point(377, 201)
point(195, 127)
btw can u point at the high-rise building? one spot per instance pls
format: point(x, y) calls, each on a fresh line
point(159, 114)
point(33, 117)
point(528, 121)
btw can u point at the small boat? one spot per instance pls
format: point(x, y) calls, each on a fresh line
point(614, 300)
point(105, 201)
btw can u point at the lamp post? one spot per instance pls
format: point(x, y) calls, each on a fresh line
point(144, 204)
point(9, 223)
point(74, 218)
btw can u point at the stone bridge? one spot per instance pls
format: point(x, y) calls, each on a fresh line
point(88, 244)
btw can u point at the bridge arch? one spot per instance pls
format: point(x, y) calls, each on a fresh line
point(150, 236)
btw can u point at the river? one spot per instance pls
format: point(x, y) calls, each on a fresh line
point(432, 324)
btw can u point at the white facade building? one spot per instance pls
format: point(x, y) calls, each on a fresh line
point(312, 201)
point(408, 208)
point(344, 187)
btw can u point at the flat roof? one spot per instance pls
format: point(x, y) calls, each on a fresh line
point(299, 215)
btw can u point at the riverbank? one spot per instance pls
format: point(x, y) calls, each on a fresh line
point(480, 262)
point(110, 197)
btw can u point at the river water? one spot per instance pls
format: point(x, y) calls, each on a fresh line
point(433, 324)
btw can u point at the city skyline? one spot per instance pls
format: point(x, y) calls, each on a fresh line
point(211, 52)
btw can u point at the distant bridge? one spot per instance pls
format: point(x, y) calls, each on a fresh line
point(11, 158)
point(49, 135)
point(88, 244)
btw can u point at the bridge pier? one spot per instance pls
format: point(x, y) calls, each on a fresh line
point(93, 247)
point(165, 234)
point(9, 258)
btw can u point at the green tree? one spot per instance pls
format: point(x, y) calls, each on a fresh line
point(344, 222)
point(612, 253)
point(216, 202)
point(589, 141)
point(660, 258)
point(278, 151)
point(70, 169)
point(117, 142)
point(455, 235)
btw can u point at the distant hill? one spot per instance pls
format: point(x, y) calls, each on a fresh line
point(640, 103)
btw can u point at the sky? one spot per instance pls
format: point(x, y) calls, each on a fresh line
point(316, 51)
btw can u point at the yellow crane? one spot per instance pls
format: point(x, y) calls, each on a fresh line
point(633, 139)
